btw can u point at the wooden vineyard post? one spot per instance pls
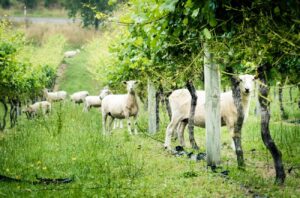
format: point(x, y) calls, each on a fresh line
point(151, 108)
point(212, 109)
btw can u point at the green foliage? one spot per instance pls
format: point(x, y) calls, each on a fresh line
point(165, 39)
point(5, 3)
point(25, 69)
point(89, 10)
point(29, 3)
point(49, 53)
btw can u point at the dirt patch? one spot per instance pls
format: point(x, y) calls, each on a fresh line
point(59, 75)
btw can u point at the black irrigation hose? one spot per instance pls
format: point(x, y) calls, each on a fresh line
point(40, 180)
point(146, 134)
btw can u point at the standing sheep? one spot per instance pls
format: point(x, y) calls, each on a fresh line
point(55, 96)
point(78, 97)
point(180, 102)
point(121, 107)
point(33, 109)
point(95, 101)
point(70, 54)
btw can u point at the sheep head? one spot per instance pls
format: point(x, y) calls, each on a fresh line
point(246, 83)
point(131, 85)
point(104, 93)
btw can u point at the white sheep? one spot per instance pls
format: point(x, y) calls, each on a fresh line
point(79, 97)
point(121, 107)
point(33, 109)
point(70, 54)
point(95, 101)
point(55, 96)
point(180, 103)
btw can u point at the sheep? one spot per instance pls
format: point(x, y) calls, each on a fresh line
point(32, 110)
point(55, 96)
point(70, 54)
point(79, 97)
point(95, 101)
point(180, 102)
point(121, 107)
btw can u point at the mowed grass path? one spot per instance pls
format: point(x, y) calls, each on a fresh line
point(76, 77)
point(69, 144)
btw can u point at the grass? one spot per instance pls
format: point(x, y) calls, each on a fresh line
point(77, 77)
point(69, 144)
point(75, 35)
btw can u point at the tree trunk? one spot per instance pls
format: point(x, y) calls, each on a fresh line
point(191, 88)
point(157, 100)
point(151, 108)
point(299, 95)
point(237, 132)
point(96, 24)
point(3, 124)
point(212, 109)
point(274, 92)
point(265, 118)
point(290, 93)
point(13, 112)
point(168, 107)
point(282, 111)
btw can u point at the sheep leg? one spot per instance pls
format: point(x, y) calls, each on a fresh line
point(104, 119)
point(129, 126)
point(110, 124)
point(135, 125)
point(180, 132)
point(121, 124)
point(128, 122)
point(172, 125)
point(115, 124)
point(84, 108)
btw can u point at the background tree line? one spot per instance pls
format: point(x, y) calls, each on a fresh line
point(92, 12)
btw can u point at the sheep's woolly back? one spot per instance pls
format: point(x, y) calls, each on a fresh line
point(55, 96)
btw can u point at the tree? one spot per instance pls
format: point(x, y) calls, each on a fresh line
point(19, 80)
point(165, 40)
point(29, 3)
point(90, 11)
point(5, 3)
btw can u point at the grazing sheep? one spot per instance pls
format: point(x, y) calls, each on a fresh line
point(78, 97)
point(70, 54)
point(180, 102)
point(33, 109)
point(55, 96)
point(121, 107)
point(95, 101)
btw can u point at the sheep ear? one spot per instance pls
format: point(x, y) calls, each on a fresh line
point(124, 82)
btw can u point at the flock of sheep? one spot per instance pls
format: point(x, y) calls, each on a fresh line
point(125, 106)
point(122, 106)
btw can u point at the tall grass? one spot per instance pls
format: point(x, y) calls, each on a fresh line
point(57, 147)
point(75, 35)
point(50, 52)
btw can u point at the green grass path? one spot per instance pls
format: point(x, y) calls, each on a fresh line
point(76, 76)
